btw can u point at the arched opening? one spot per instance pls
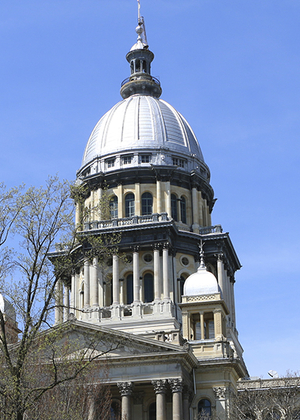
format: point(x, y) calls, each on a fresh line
point(115, 411)
point(204, 409)
point(183, 209)
point(129, 289)
point(129, 205)
point(147, 204)
point(152, 411)
point(148, 287)
point(174, 212)
point(113, 207)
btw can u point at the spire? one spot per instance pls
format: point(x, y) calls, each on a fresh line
point(140, 59)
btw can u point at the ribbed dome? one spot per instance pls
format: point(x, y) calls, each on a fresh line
point(200, 283)
point(141, 122)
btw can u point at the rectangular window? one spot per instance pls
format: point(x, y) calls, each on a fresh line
point(145, 158)
point(179, 162)
point(110, 162)
point(126, 160)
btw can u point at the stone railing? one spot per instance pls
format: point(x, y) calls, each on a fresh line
point(127, 221)
point(210, 229)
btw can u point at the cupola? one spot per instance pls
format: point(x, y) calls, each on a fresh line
point(140, 59)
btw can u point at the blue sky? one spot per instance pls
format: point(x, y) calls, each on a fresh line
point(231, 67)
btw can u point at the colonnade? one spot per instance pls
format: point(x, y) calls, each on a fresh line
point(162, 190)
point(88, 291)
point(180, 399)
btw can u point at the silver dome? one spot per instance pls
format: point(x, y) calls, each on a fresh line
point(139, 123)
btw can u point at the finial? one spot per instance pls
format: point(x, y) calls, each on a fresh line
point(202, 263)
point(139, 10)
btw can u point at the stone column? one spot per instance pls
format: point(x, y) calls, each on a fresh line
point(158, 197)
point(86, 282)
point(168, 198)
point(195, 207)
point(218, 324)
point(122, 291)
point(220, 268)
point(176, 387)
point(157, 291)
point(115, 280)
point(66, 302)
point(77, 294)
point(73, 293)
point(160, 388)
point(136, 274)
point(166, 271)
point(101, 288)
point(202, 325)
point(120, 201)
point(125, 389)
point(220, 396)
point(137, 199)
point(91, 404)
point(58, 302)
point(233, 302)
point(94, 283)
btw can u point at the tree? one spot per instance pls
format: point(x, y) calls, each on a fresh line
point(40, 362)
point(271, 399)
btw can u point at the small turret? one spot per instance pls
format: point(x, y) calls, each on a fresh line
point(140, 59)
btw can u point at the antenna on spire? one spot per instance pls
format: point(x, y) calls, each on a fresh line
point(141, 29)
point(139, 10)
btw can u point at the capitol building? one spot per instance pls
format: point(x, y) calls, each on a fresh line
point(172, 297)
point(167, 289)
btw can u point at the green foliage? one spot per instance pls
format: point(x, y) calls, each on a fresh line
point(41, 218)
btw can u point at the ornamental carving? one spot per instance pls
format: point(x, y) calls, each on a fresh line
point(220, 393)
point(160, 386)
point(125, 388)
point(202, 297)
point(176, 384)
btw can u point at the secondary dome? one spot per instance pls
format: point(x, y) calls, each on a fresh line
point(200, 283)
point(141, 122)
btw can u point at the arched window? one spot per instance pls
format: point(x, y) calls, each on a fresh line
point(152, 411)
point(204, 409)
point(183, 209)
point(174, 212)
point(148, 287)
point(129, 205)
point(147, 204)
point(129, 289)
point(113, 207)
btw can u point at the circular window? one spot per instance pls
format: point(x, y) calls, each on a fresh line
point(185, 261)
point(148, 258)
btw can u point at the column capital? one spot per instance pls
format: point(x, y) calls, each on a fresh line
point(136, 248)
point(176, 384)
point(160, 386)
point(220, 392)
point(166, 245)
point(125, 388)
point(157, 246)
